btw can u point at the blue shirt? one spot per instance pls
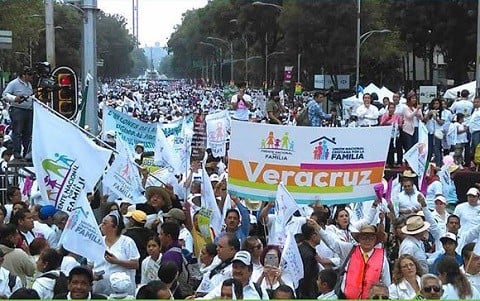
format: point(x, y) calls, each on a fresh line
point(316, 114)
point(434, 269)
point(244, 229)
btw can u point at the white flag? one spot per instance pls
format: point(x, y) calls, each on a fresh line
point(81, 234)
point(164, 153)
point(67, 163)
point(209, 202)
point(123, 177)
point(291, 262)
point(416, 156)
point(217, 133)
point(285, 207)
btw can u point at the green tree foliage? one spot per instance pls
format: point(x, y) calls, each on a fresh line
point(25, 18)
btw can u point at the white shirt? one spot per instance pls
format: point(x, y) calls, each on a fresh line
point(45, 231)
point(249, 292)
point(474, 280)
point(44, 286)
point(469, 215)
point(412, 246)
point(367, 116)
point(461, 137)
point(4, 288)
point(68, 263)
point(343, 249)
point(124, 249)
point(328, 296)
point(186, 236)
point(451, 293)
point(405, 201)
point(208, 283)
point(403, 290)
point(474, 122)
point(150, 269)
point(463, 106)
point(242, 112)
point(432, 190)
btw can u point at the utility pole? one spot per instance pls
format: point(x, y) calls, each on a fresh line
point(90, 63)
point(50, 33)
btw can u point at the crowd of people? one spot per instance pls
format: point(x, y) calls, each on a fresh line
point(401, 245)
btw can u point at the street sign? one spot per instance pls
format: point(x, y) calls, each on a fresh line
point(5, 39)
point(287, 74)
point(427, 93)
point(323, 81)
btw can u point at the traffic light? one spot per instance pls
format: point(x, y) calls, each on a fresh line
point(65, 97)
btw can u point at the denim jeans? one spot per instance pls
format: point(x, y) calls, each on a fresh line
point(22, 120)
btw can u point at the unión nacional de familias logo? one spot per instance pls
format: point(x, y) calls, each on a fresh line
point(62, 181)
point(277, 147)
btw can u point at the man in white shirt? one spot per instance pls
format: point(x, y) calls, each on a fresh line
point(45, 226)
point(471, 265)
point(408, 198)
point(469, 212)
point(242, 269)
point(241, 103)
point(416, 230)
point(463, 105)
point(367, 113)
point(474, 125)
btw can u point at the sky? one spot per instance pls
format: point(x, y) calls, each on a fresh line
point(156, 17)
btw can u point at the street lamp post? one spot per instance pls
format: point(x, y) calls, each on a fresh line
point(280, 9)
point(245, 39)
point(213, 67)
point(360, 40)
point(230, 44)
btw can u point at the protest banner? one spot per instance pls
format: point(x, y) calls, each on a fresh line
point(285, 207)
point(199, 138)
point(165, 154)
point(64, 171)
point(82, 235)
point(333, 165)
point(291, 261)
point(131, 130)
point(217, 124)
point(123, 177)
point(416, 156)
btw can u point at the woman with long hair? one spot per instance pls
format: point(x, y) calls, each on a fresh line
point(434, 120)
point(344, 226)
point(405, 278)
point(455, 283)
point(412, 116)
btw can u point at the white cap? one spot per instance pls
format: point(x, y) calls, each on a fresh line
point(120, 282)
point(473, 191)
point(448, 235)
point(110, 133)
point(440, 198)
point(244, 257)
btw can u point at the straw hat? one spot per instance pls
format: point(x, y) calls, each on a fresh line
point(453, 168)
point(367, 229)
point(414, 225)
point(409, 174)
point(157, 190)
point(253, 205)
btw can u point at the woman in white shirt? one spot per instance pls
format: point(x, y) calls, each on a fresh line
point(344, 227)
point(272, 276)
point(151, 264)
point(48, 266)
point(405, 278)
point(455, 284)
point(121, 255)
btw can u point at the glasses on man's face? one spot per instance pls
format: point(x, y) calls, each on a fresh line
point(380, 297)
point(429, 289)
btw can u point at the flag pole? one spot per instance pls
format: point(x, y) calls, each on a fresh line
point(106, 145)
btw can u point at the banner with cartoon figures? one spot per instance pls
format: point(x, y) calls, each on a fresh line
point(217, 124)
point(331, 165)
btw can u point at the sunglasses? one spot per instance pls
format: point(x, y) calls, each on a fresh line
point(435, 288)
point(379, 297)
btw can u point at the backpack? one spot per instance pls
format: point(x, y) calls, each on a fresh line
point(184, 279)
point(302, 117)
point(12, 280)
point(61, 282)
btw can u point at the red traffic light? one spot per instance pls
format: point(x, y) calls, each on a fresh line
point(65, 79)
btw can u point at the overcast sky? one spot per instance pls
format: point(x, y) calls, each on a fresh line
point(156, 17)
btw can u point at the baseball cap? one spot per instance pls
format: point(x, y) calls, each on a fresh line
point(47, 211)
point(448, 235)
point(440, 198)
point(473, 191)
point(214, 178)
point(176, 213)
point(120, 282)
point(137, 215)
point(244, 257)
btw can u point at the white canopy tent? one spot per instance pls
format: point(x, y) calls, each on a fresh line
point(351, 103)
point(452, 93)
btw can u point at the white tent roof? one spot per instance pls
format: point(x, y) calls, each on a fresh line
point(452, 93)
